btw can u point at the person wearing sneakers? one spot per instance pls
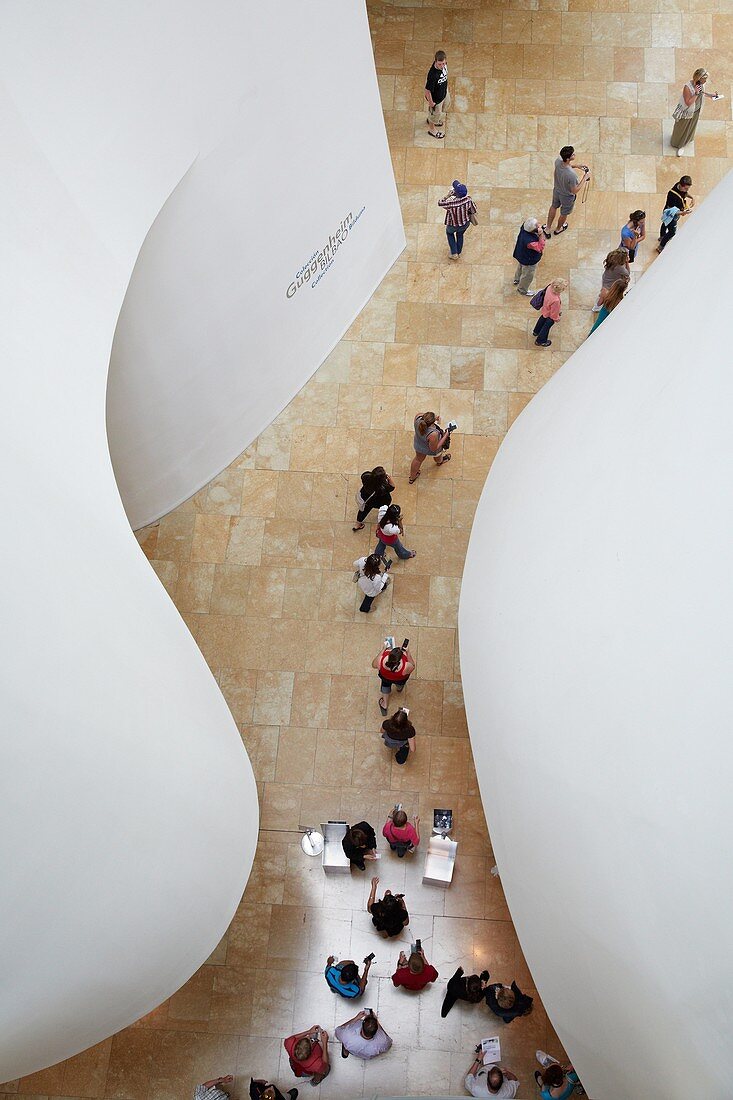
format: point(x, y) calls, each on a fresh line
point(436, 95)
point(550, 313)
point(394, 667)
point(389, 529)
point(459, 210)
point(565, 189)
point(528, 253)
point(429, 441)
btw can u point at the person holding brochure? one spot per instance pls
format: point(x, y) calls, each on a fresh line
point(491, 1080)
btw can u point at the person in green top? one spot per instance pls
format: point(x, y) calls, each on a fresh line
point(612, 299)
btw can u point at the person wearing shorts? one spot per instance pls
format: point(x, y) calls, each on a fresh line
point(565, 189)
point(394, 668)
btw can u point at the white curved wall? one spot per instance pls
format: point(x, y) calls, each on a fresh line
point(595, 651)
point(209, 347)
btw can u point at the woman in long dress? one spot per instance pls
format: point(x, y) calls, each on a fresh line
point(687, 112)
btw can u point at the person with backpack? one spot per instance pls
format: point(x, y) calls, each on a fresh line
point(398, 733)
point(527, 252)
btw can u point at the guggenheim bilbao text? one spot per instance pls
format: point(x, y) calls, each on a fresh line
point(316, 267)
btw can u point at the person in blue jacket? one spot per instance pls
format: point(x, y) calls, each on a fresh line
point(528, 253)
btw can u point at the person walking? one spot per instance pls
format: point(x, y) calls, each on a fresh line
point(428, 442)
point(615, 268)
point(389, 914)
point(471, 989)
point(436, 95)
point(394, 668)
point(308, 1053)
point(359, 843)
point(508, 1002)
point(555, 1082)
point(565, 188)
point(633, 233)
point(363, 1036)
point(550, 312)
point(527, 252)
point(460, 212)
point(612, 299)
point(401, 836)
point(376, 490)
point(371, 579)
point(389, 529)
point(398, 733)
point(679, 204)
point(686, 114)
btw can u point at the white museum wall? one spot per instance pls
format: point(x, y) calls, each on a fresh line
point(209, 346)
point(595, 653)
point(129, 809)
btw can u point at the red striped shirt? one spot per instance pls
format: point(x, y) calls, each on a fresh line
point(457, 210)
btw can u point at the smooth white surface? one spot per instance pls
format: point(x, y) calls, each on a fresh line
point(209, 348)
point(595, 653)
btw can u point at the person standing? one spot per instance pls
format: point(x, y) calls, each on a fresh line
point(612, 299)
point(679, 204)
point(550, 312)
point(633, 233)
point(508, 1002)
point(528, 253)
point(389, 530)
point(686, 114)
point(389, 914)
point(492, 1080)
point(398, 733)
point(401, 836)
point(415, 972)
point(394, 668)
point(371, 579)
point(615, 268)
point(565, 188)
point(376, 490)
point(359, 843)
point(460, 209)
point(555, 1082)
point(436, 95)
point(363, 1036)
point(212, 1090)
point(428, 442)
point(343, 978)
point(265, 1090)
point(308, 1053)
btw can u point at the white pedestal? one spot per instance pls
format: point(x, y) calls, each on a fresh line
point(335, 860)
point(440, 861)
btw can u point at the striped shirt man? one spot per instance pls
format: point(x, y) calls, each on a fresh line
point(458, 208)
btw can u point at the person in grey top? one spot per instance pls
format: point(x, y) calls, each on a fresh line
point(565, 187)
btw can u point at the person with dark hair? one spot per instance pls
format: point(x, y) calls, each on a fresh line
point(308, 1053)
point(265, 1090)
point(388, 914)
point(615, 268)
point(471, 989)
point(555, 1082)
point(679, 204)
point(359, 843)
point(398, 733)
point(428, 443)
point(491, 1080)
point(565, 189)
point(436, 94)
point(394, 668)
point(460, 211)
point(212, 1090)
point(415, 972)
point(344, 978)
point(528, 252)
point(633, 233)
point(363, 1036)
point(376, 490)
point(612, 299)
point(371, 579)
point(389, 529)
point(508, 1002)
point(400, 834)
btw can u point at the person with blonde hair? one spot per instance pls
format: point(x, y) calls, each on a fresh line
point(428, 442)
point(686, 114)
point(550, 312)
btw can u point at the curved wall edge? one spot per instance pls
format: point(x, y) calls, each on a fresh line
point(594, 625)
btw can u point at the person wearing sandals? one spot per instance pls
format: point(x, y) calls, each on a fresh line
point(428, 443)
point(550, 313)
point(371, 579)
point(633, 233)
point(389, 529)
point(565, 189)
point(555, 1082)
point(460, 211)
point(686, 114)
point(436, 95)
point(398, 733)
point(615, 269)
point(394, 668)
point(376, 490)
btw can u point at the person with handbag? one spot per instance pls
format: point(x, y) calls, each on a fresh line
point(460, 212)
point(686, 114)
point(370, 578)
point(550, 312)
point(430, 440)
point(376, 490)
point(527, 252)
point(398, 733)
point(389, 529)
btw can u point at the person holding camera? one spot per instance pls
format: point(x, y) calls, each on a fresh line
point(394, 667)
point(308, 1053)
point(389, 529)
point(414, 972)
point(528, 253)
point(401, 836)
point(398, 733)
point(371, 579)
point(430, 441)
point(686, 114)
point(389, 914)
point(565, 188)
point(492, 1080)
point(376, 490)
point(460, 212)
point(363, 1036)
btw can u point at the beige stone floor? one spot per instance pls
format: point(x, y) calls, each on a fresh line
point(265, 551)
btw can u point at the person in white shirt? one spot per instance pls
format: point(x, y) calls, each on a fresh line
point(492, 1080)
point(363, 1036)
point(371, 579)
point(211, 1090)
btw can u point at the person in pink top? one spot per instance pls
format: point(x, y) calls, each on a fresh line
point(402, 836)
point(550, 313)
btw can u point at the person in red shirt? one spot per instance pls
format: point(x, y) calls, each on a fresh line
point(394, 667)
point(308, 1052)
point(415, 972)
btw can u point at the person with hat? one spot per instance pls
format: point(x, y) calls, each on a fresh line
point(528, 253)
point(460, 211)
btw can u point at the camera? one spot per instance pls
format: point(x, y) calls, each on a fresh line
point(452, 425)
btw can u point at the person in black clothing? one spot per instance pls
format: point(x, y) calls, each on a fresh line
point(528, 253)
point(460, 988)
point(263, 1090)
point(678, 198)
point(388, 914)
point(376, 490)
point(359, 844)
point(508, 1002)
point(436, 94)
